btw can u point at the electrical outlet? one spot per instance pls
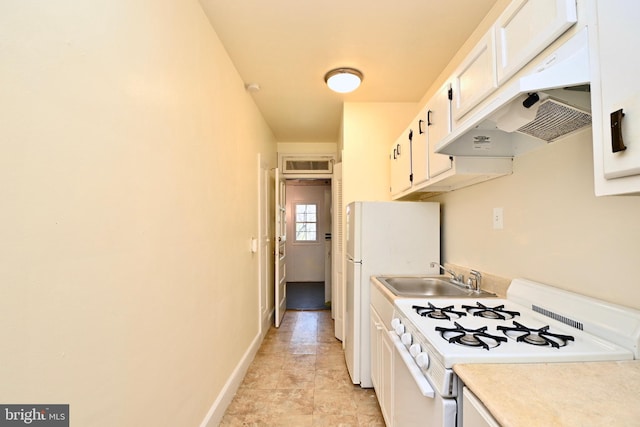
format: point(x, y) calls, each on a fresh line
point(498, 218)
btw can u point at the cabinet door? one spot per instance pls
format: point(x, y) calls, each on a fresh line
point(375, 326)
point(619, 70)
point(438, 126)
point(386, 376)
point(381, 351)
point(526, 28)
point(475, 78)
point(475, 414)
point(419, 150)
point(400, 164)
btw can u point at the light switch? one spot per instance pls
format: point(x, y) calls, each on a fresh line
point(498, 218)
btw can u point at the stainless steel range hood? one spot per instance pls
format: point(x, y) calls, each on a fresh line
point(544, 106)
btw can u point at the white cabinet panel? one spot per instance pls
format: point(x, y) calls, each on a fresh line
point(400, 164)
point(525, 28)
point(386, 377)
point(419, 150)
point(438, 126)
point(375, 328)
point(475, 78)
point(381, 352)
point(615, 69)
point(474, 413)
point(619, 72)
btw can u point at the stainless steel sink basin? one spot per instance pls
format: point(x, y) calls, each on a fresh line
point(429, 286)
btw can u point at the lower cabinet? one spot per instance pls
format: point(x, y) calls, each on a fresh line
point(474, 413)
point(381, 365)
point(382, 352)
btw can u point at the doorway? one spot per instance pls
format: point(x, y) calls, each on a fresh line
point(308, 248)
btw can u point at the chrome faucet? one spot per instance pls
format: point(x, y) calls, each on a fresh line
point(476, 281)
point(454, 276)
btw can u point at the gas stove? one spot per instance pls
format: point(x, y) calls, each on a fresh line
point(535, 324)
point(520, 335)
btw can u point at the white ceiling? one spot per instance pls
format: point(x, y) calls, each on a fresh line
point(286, 47)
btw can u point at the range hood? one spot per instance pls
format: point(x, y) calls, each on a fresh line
point(551, 102)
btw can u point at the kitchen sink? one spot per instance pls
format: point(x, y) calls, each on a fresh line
point(429, 286)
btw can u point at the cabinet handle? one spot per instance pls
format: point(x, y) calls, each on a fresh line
point(395, 154)
point(617, 144)
point(420, 122)
point(398, 149)
point(429, 122)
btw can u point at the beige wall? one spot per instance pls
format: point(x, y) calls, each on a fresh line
point(128, 171)
point(368, 132)
point(307, 147)
point(555, 230)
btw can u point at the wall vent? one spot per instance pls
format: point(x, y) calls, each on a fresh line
point(307, 165)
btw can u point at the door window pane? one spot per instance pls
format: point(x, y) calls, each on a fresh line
point(306, 222)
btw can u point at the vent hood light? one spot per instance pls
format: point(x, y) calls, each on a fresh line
point(505, 127)
point(516, 114)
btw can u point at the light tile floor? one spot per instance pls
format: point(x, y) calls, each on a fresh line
point(299, 378)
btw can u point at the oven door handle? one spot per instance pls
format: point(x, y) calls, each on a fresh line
point(414, 370)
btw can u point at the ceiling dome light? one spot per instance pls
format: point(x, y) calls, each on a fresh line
point(343, 80)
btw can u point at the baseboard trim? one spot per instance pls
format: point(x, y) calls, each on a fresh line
point(216, 412)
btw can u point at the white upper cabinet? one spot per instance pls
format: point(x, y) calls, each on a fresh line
point(438, 126)
point(615, 95)
point(525, 28)
point(400, 163)
point(475, 78)
point(419, 150)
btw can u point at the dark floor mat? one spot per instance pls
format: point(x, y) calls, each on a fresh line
point(306, 296)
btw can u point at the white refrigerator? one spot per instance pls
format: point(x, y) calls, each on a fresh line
point(382, 238)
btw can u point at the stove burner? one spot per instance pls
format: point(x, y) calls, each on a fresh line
point(497, 312)
point(540, 337)
point(470, 337)
point(438, 312)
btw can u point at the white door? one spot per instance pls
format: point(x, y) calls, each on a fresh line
point(264, 244)
point(337, 282)
point(280, 245)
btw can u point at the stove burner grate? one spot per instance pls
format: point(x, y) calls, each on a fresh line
point(497, 312)
point(438, 312)
point(470, 337)
point(540, 337)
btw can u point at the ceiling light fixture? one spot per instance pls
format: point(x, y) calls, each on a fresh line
point(343, 80)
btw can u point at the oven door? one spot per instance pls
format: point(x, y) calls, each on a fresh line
point(415, 401)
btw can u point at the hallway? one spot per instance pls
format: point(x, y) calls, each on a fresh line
point(299, 378)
